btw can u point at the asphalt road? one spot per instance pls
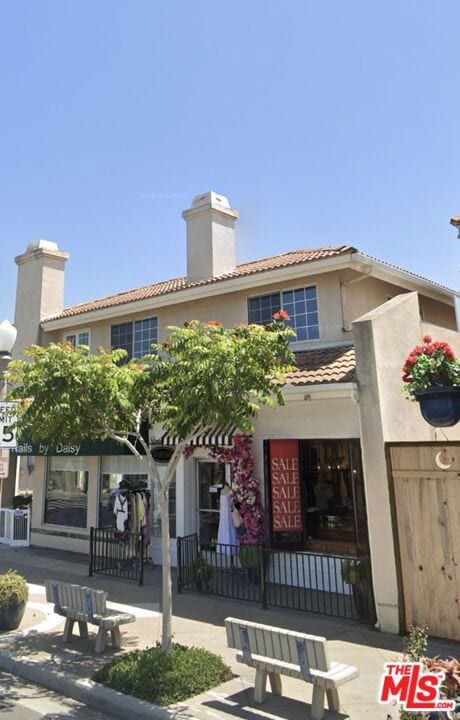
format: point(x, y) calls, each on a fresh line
point(20, 700)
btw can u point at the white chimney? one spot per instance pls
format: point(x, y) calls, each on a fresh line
point(39, 289)
point(211, 245)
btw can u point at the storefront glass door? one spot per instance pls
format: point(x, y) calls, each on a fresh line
point(210, 480)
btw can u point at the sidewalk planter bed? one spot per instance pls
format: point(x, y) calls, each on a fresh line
point(13, 597)
point(165, 679)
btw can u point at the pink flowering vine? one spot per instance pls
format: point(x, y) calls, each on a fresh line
point(245, 487)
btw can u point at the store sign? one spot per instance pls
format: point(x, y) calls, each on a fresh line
point(4, 462)
point(8, 420)
point(285, 486)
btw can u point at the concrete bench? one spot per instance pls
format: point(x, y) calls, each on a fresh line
point(274, 652)
point(85, 605)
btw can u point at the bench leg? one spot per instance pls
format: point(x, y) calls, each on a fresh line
point(260, 686)
point(83, 629)
point(275, 683)
point(116, 637)
point(333, 699)
point(317, 703)
point(100, 640)
point(68, 627)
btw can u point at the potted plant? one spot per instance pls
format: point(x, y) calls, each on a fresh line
point(249, 556)
point(22, 500)
point(431, 374)
point(13, 597)
point(203, 573)
point(354, 573)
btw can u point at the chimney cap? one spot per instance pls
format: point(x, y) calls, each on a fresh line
point(455, 221)
point(42, 245)
point(211, 198)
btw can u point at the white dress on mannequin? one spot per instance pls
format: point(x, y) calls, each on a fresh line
point(226, 533)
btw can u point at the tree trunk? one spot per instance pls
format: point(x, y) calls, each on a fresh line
point(166, 604)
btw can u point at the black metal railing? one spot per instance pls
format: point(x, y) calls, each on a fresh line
point(335, 585)
point(119, 554)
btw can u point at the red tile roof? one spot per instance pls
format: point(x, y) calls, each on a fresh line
point(295, 257)
point(324, 366)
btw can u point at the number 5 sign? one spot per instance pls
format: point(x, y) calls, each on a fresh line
point(7, 420)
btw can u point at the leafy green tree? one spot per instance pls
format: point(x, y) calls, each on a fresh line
point(203, 374)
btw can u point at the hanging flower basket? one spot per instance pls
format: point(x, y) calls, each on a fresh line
point(440, 406)
point(432, 377)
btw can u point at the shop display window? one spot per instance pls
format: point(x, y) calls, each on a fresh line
point(116, 468)
point(66, 497)
point(330, 498)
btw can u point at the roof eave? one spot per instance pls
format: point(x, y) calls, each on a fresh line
point(386, 272)
point(220, 287)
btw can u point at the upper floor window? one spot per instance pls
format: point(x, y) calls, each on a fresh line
point(135, 337)
point(82, 337)
point(301, 305)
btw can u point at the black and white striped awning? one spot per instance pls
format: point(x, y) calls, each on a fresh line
point(211, 437)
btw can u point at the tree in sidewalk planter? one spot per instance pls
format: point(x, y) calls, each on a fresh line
point(203, 374)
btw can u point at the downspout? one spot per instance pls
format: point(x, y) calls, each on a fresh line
point(455, 221)
point(346, 324)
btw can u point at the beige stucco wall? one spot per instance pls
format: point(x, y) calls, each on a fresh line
point(383, 339)
point(342, 297)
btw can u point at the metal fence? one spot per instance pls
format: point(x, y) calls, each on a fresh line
point(119, 554)
point(335, 585)
point(15, 527)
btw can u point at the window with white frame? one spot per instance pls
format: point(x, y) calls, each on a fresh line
point(301, 304)
point(66, 495)
point(135, 337)
point(82, 337)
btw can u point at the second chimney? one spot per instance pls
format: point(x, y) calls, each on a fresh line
point(211, 245)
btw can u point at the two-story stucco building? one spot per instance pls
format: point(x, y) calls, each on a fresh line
point(355, 319)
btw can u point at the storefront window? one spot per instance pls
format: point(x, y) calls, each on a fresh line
point(317, 495)
point(66, 500)
point(211, 477)
point(123, 467)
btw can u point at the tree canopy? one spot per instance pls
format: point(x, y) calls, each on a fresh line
point(203, 374)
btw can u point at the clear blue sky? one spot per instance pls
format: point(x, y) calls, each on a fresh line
point(324, 122)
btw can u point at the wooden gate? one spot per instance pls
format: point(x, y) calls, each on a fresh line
point(426, 503)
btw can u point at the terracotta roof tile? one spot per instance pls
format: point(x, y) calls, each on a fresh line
point(295, 257)
point(324, 366)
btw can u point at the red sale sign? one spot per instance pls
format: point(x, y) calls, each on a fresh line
point(285, 486)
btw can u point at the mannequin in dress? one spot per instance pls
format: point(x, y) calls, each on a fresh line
point(226, 533)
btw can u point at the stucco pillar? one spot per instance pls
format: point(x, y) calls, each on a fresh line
point(383, 339)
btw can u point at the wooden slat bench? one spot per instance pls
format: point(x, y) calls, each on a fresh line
point(274, 652)
point(86, 605)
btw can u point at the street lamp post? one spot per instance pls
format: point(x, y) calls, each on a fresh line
point(8, 335)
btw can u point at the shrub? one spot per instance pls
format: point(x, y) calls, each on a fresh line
point(13, 589)
point(165, 679)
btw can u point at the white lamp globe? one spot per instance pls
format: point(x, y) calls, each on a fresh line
point(8, 335)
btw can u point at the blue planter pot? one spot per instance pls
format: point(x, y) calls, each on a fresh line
point(440, 406)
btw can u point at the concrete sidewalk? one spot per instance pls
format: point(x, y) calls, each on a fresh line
point(38, 653)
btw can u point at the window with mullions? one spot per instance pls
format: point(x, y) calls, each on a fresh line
point(78, 338)
point(301, 305)
point(135, 337)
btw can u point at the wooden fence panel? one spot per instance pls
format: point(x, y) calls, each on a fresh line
point(427, 507)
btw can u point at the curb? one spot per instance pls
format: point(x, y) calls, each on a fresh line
point(87, 691)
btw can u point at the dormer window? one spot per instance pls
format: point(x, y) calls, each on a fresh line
point(301, 304)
